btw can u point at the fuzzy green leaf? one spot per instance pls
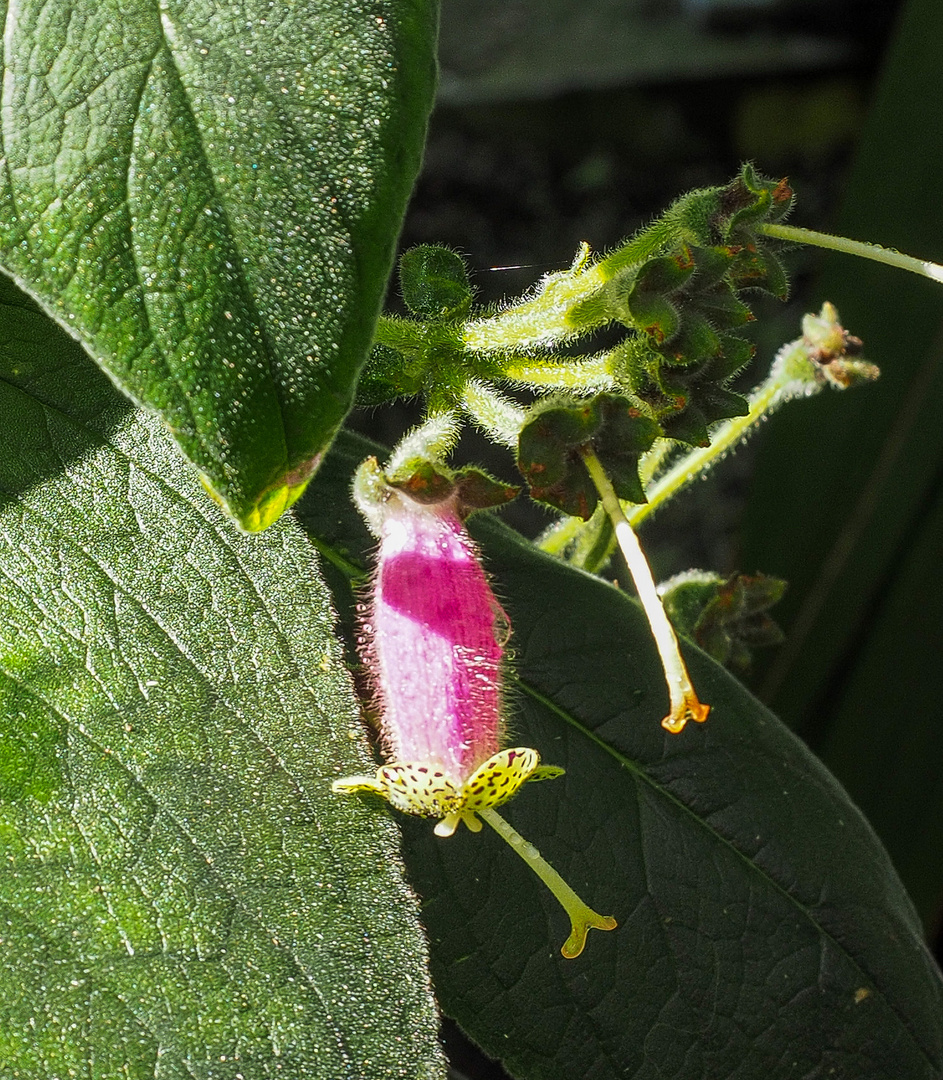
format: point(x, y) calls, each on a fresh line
point(763, 931)
point(207, 196)
point(181, 895)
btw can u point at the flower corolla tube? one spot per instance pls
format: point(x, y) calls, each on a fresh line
point(432, 639)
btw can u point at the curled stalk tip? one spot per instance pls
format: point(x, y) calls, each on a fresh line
point(688, 708)
point(682, 696)
point(575, 943)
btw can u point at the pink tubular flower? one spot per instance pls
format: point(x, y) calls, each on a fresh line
point(432, 640)
point(432, 606)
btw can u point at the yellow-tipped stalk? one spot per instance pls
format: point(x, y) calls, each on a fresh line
point(682, 696)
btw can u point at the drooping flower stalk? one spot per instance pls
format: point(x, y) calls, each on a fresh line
point(824, 355)
point(683, 699)
point(433, 640)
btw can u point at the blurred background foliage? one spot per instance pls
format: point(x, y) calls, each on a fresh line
point(561, 121)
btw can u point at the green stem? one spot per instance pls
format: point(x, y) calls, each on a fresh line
point(582, 917)
point(855, 247)
point(500, 418)
point(652, 461)
point(584, 375)
point(434, 439)
point(684, 701)
point(545, 318)
point(695, 463)
point(404, 335)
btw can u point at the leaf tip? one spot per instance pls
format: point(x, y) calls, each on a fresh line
point(253, 516)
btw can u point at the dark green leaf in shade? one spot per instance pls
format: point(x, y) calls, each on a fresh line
point(762, 930)
point(180, 893)
point(860, 675)
point(207, 197)
point(54, 376)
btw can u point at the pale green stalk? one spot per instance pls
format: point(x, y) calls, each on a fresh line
point(434, 438)
point(583, 375)
point(582, 917)
point(855, 247)
point(683, 699)
point(651, 462)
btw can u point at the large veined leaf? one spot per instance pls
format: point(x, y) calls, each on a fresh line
point(207, 196)
point(762, 930)
point(180, 893)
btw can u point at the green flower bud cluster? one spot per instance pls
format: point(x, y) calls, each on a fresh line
point(549, 447)
point(684, 302)
point(727, 617)
point(677, 289)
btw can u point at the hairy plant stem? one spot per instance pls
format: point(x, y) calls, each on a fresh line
point(695, 463)
point(855, 247)
point(683, 699)
point(582, 917)
point(581, 375)
point(544, 319)
point(495, 414)
point(651, 462)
